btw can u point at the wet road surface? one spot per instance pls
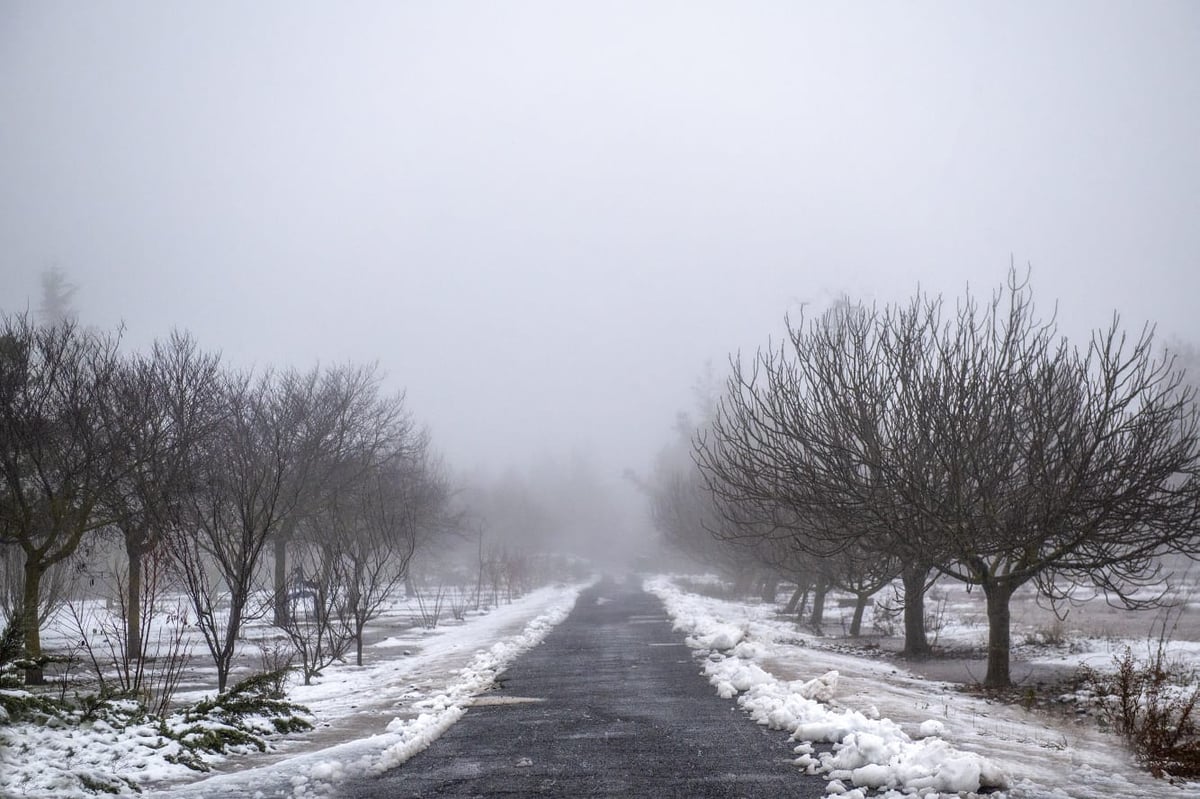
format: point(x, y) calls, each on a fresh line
point(610, 704)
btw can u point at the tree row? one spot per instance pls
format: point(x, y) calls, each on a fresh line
point(969, 440)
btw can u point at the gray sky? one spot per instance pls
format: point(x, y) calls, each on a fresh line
point(543, 218)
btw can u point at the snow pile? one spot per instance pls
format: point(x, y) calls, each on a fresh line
point(446, 708)
point(111, 755)
point(868, 752)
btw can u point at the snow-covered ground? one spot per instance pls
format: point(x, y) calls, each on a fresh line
point(885, 724)
point(896, 732)
point(414, 686)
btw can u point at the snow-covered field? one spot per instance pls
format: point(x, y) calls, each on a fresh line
point(894, 731)
point(413, 685)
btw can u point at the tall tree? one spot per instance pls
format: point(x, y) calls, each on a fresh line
point(57, 301)
point(249, 476)
point(351, 426)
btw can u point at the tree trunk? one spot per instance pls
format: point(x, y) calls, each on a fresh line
point(794, 602)
point(30, 621)
point(916, 644)
point(770, 589)
point(478, 580)
point(818, 610)
point(282, 611)
point(859, 607)
point(133, 601)
point(998, 595)
point(803, 603)
point(224, 660)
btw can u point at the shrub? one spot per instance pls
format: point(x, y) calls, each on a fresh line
point(240, 718)
point(1054, 634)
point(708, 585)
point(1152, 704)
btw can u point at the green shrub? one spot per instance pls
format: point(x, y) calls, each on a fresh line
point(241, 717)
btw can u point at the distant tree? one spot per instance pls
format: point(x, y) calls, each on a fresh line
point(56, 306)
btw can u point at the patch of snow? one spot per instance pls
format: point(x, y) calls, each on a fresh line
point(894, 733)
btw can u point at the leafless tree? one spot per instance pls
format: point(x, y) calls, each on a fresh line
point(392, 506)
point(807, 440)
point(354, 552)
point(247, 480)
point(57, 448)
point(1060, 466)
point(167, 405)
point(350, 427)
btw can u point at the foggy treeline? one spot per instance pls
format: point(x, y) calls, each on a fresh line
point(967, 439)
point(308, 497)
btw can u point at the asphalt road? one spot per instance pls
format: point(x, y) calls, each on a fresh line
point(612, 703)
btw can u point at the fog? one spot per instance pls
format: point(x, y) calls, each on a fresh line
point(543, 219)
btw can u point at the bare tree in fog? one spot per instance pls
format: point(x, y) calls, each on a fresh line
point(353, 550)
point(805, 445)
point(983, 446)
point(57, 301)
point(248, 479)
point(58, 447)
point(349, 427)
point(1062, 466)
point(167, 405)
point(401, 506)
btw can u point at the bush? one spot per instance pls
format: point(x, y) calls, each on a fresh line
point(237, 719)
point(1152, 704)
point(708, 585)
point(1054, 634)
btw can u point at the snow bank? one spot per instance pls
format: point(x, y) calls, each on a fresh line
point(868, 752)
point(320, 775)
point(445, 709)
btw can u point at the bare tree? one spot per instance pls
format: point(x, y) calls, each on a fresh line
point(984, 446)
point(1061, 466)
point(353, 553)
point(247, 480)
point(56, 306)
point(806, 443)
point(57, 449)
point(351, 427)
point(167, 405)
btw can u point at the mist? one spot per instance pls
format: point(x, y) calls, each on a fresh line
point(543, 220)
